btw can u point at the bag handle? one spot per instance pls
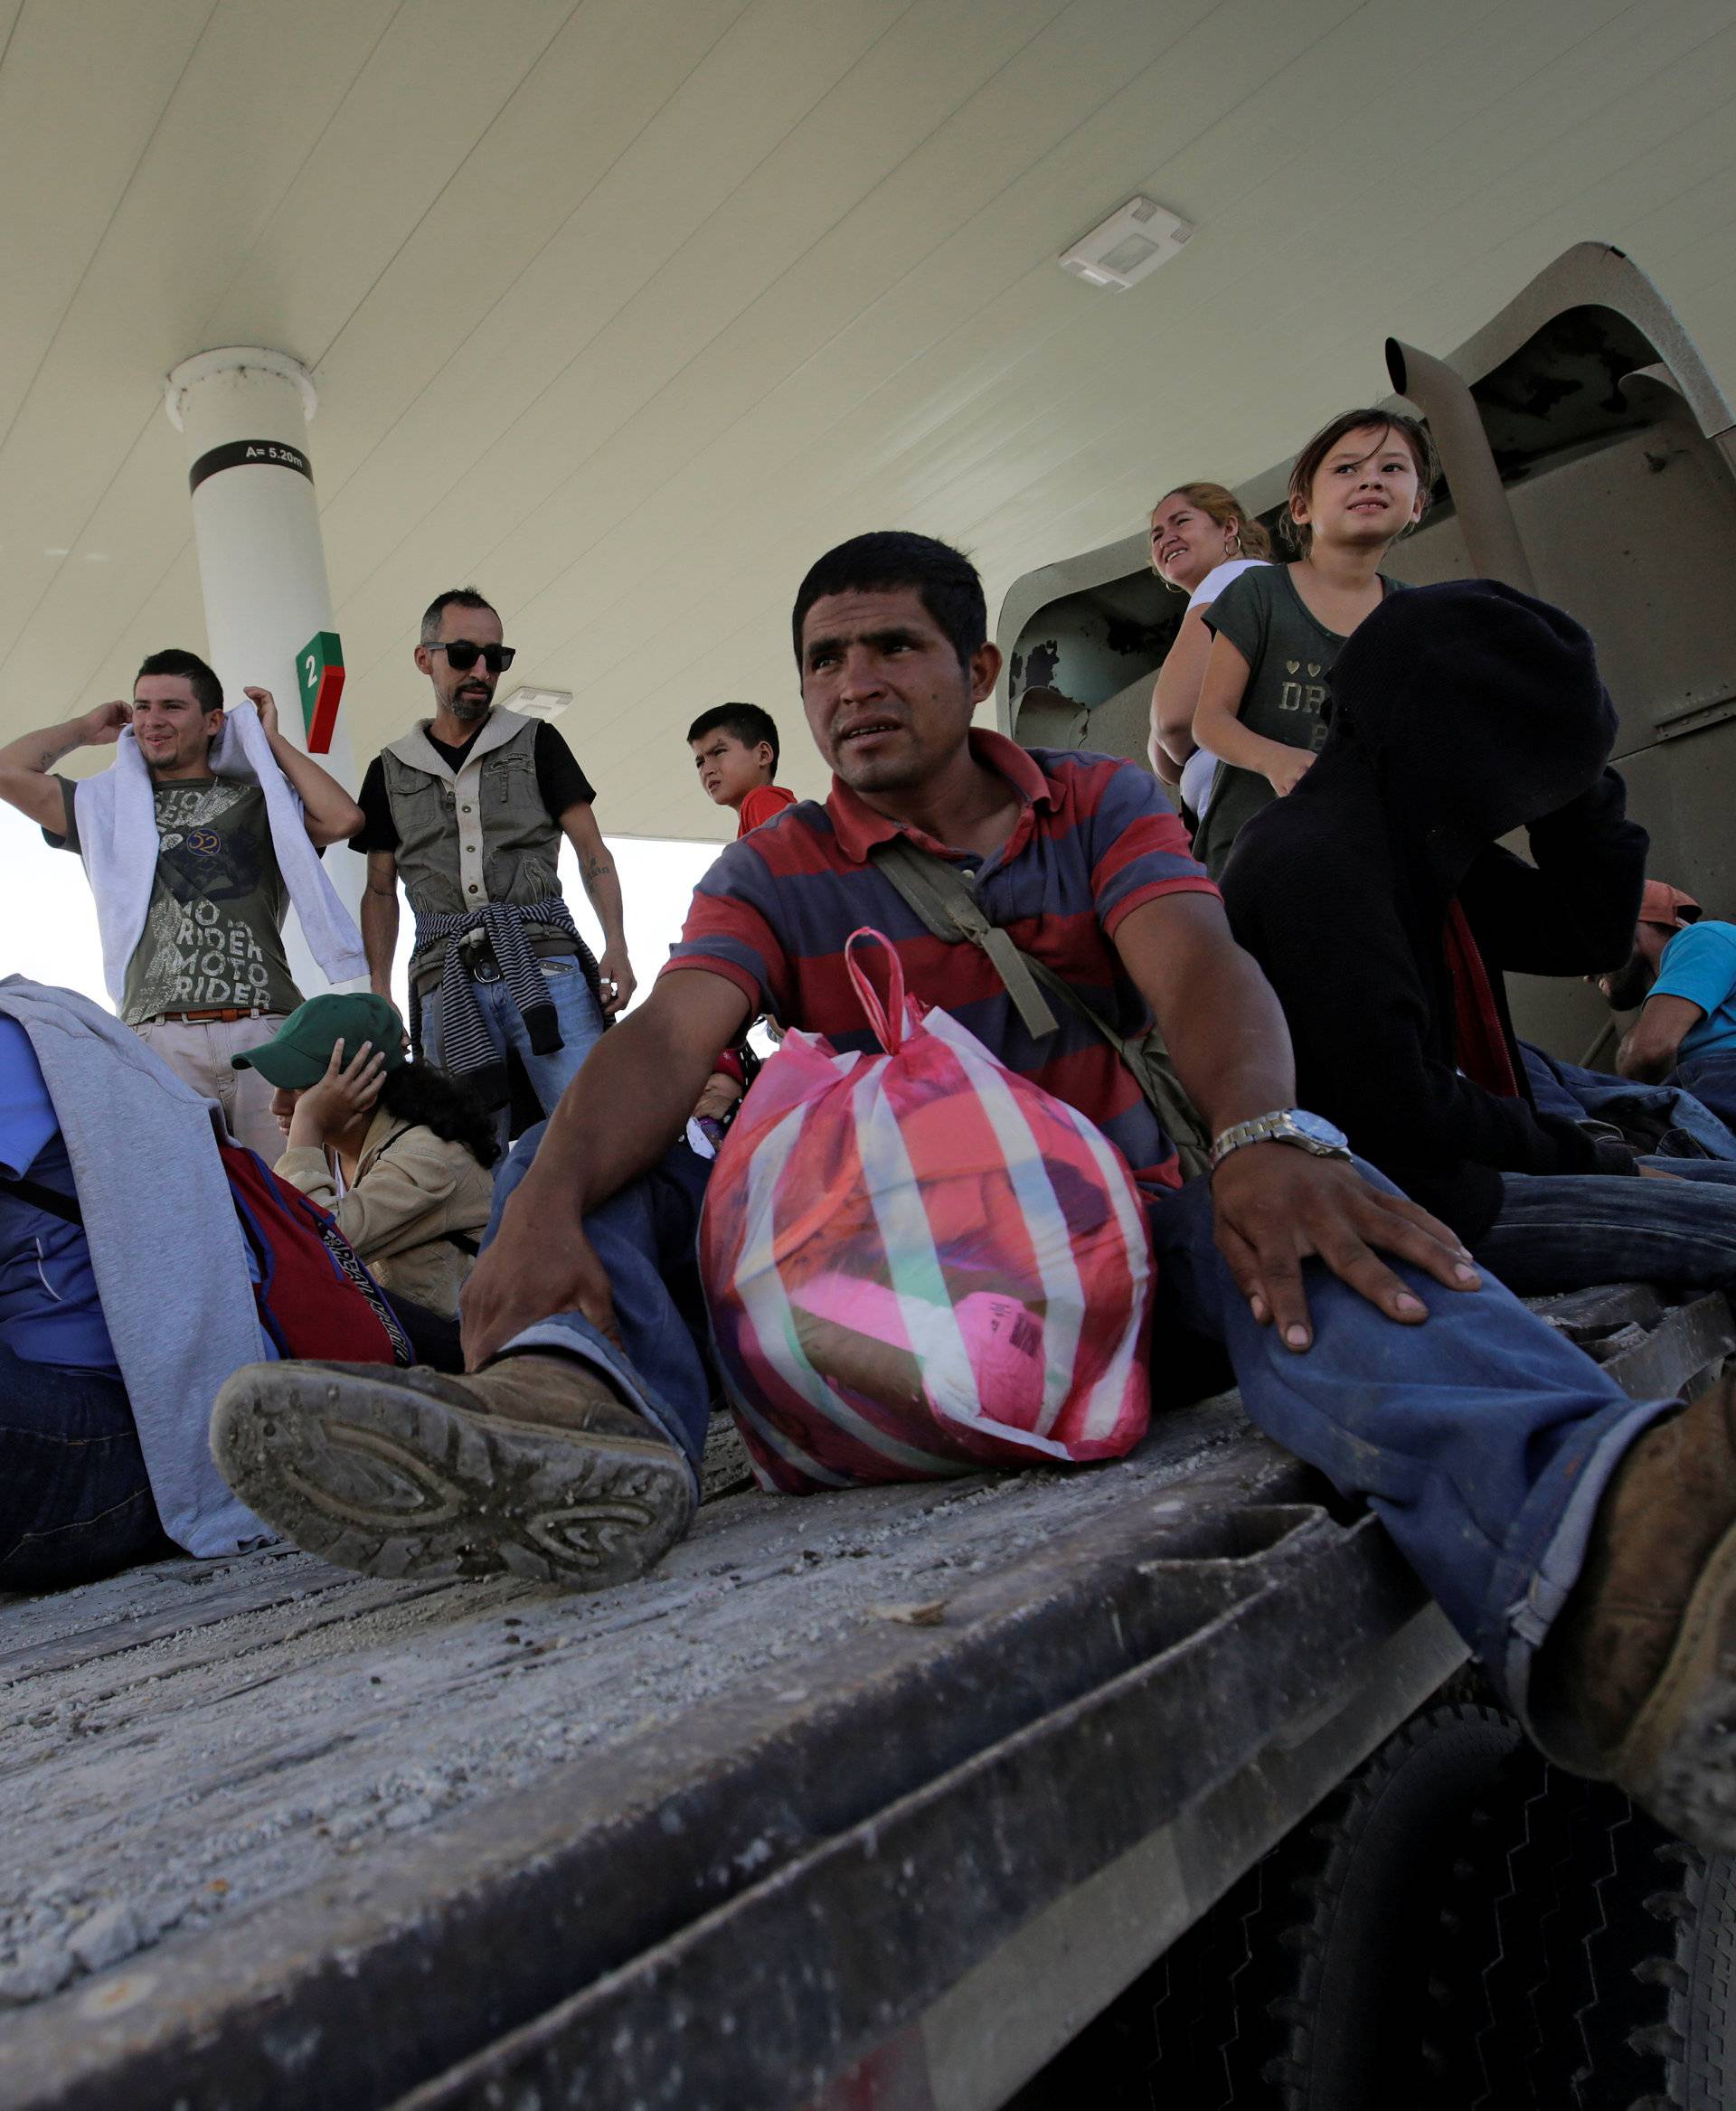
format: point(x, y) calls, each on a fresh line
point(888, 1032)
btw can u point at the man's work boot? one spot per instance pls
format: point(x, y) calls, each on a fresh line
point(1635, 1682)
point(532, 1466)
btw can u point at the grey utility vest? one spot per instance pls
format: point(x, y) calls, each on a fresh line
point(478, 834)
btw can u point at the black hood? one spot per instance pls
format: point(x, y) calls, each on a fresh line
point(1479, 708)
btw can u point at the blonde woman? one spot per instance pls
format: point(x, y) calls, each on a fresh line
point(1201, 539)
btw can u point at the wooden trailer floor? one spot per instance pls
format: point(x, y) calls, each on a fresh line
point(187, 1743)
point(261, 1813)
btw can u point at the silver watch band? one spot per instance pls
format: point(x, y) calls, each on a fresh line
point(1261, 1129)
point(1280, 1126)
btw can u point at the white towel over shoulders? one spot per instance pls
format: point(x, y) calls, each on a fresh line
point(117, 839)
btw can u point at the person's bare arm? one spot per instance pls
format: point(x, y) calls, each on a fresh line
point(629, 1102)
point(26, 767)
point(1651, 1045)
point(1167, 772)
point(380, 920)
point(602, 885)
point(1219, 730)
point(327, 811)
point(1175, 695)
point(1275, 1205)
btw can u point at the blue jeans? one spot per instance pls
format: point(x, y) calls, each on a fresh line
point(575, 1009)
point(1712, 1079)
point(1567, 1231)
point(1642, 1111)
point(646, 1238)
point(1482, 1438)
point(75, 1502)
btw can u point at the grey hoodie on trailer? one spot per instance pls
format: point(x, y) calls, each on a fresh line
point(166, 1247)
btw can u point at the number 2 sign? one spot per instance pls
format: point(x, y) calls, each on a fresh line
point(319, 669)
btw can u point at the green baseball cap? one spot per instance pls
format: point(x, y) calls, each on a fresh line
point(297, 1055)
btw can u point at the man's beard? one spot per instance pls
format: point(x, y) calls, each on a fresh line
point(157, 765)
point(471, 707)
point(1629, 989)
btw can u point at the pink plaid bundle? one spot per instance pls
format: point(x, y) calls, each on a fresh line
point(918, 1263)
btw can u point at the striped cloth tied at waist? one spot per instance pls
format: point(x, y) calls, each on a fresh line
point(466, 1048)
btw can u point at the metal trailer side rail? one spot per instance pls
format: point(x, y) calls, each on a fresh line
point(900, 1877)
point(937, 1956)
point(352, 1993)
point(822, 1969)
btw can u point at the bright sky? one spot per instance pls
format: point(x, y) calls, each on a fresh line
point(50, 925)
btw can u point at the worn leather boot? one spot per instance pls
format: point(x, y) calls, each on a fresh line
point(1635, 1682)
point(532, 1467)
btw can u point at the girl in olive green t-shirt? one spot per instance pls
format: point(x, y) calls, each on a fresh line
point(1357, 485)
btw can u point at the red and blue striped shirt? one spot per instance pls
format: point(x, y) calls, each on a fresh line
point(1095, 839)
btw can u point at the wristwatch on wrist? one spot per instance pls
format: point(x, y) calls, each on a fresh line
point(1291, 1125)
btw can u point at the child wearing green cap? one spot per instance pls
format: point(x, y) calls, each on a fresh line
point(398, 1151)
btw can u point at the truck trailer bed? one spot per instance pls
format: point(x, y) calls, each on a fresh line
point(874, 1798)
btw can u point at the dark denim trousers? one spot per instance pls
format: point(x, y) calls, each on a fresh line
point(1672, 1117)
point(75, 1502)
point(434, 1338)
point(1482, 1437)
point(1568, 1232)
point(647, 1238)
point(1711, 1078)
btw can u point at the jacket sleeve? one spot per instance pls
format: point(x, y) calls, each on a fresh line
point(401, 1201)
point(309, 1170)
point(1574, 909)
point(1335, 952)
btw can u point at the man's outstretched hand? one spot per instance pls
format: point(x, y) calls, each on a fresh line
point(1276, 1206)
point(539, 1263)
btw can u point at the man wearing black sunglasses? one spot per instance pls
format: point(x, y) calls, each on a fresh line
point(469, 810)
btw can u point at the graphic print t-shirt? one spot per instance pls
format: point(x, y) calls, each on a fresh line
point(1289, 653)
point(213, 934)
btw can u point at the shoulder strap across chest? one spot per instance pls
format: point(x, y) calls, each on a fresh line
point(944, 899)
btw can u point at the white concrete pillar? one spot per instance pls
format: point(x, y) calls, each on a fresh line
point(244, 410)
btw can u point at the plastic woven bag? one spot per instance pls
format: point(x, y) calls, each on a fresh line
point(918, 1263)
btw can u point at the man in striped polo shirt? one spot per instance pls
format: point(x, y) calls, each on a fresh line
point(1485, 1440)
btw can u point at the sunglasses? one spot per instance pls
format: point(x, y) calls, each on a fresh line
point(461, 656)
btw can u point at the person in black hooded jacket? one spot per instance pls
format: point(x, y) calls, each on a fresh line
point(1384, 911)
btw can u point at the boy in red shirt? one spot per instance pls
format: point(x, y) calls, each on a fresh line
point(735, 751)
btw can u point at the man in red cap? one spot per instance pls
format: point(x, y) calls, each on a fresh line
point(1682, 978)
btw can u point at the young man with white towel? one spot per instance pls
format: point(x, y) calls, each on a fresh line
point(195, 841)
